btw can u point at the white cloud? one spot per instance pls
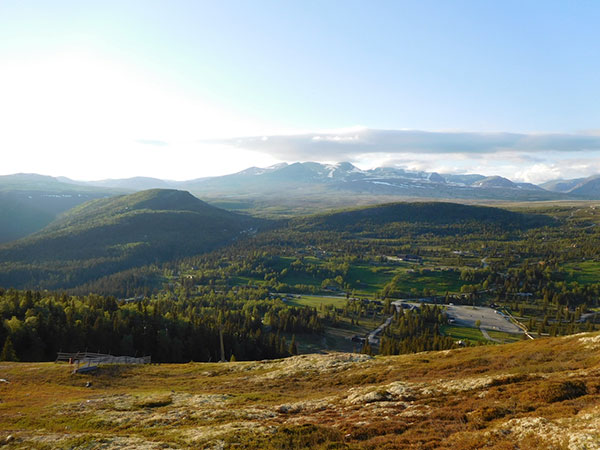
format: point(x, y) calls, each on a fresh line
point(521, 157)
point(539, 173)
point(346, 146)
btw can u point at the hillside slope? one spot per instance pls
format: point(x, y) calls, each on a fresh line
point(561, 185)
point(589, 188)
point(437, 213)
point(106, 235)
point(541, 394)
point(29, 202)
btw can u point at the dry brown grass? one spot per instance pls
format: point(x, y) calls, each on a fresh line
point(537, 394)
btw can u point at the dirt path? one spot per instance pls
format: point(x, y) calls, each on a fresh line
point(488, 337)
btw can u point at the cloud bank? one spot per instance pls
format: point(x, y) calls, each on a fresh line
point(534, 157)
point(342, 146)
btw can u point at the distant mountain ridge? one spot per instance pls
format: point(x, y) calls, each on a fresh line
point(29, 202)
point(344, 176)
point(312, 177)
point(581, 187)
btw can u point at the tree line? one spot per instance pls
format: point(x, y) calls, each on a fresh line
point(36, 325)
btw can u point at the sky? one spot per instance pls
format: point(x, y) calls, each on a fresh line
point(187, 89)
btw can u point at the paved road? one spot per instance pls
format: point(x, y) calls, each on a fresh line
point(591, 316)
point(408, 304)
point(373, 336)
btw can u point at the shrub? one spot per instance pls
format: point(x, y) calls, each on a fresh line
point(565, 390)
point(510, 379)
point(306, 436)
point(487, 414)
point(154, 401)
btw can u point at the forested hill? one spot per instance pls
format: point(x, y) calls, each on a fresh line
point(435, 213)
point(29, 202)
point(113, 210)
point(107, 235)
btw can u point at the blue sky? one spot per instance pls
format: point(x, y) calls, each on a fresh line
point(151, 84)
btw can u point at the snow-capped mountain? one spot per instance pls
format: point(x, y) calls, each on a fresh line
point(311, 178)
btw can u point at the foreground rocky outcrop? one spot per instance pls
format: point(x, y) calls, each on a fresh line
point(529, 395)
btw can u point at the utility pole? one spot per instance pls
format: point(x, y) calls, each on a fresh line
point(221, 340)
point(221, 320)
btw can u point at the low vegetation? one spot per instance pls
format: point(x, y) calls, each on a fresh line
point(541, 394)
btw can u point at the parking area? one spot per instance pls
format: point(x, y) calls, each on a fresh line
point(489, 318)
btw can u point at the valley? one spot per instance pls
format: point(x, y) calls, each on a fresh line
point(458, 324)
point(299, 225)
point(162, 259)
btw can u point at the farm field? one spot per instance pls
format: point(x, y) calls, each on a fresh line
point(369, 280)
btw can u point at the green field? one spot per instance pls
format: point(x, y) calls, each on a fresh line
point(505, 338)
point(370, 279)
point(281, 262)
point(585, 272)
point(367, 280)
point(439, 281)
point(472, 335)
point(315, 301)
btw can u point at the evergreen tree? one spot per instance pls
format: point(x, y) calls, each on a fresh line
point(8, 351)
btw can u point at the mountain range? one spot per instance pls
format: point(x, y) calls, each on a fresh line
point(29, 202)
point(302, 178)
